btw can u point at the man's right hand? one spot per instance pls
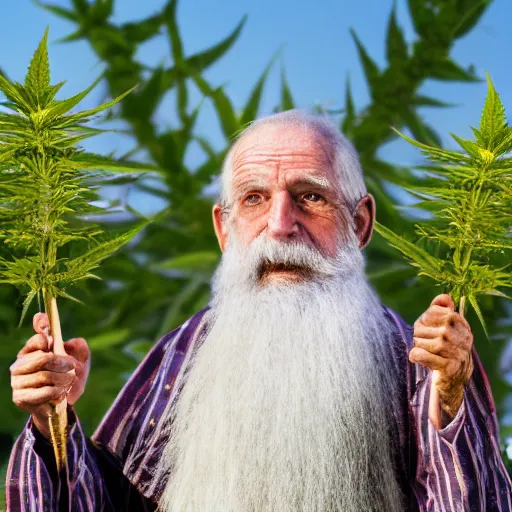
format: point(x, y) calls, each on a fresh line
point(40, 378)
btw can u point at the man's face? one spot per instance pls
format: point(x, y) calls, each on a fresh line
point(284, 186)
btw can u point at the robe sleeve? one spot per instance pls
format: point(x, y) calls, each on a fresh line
point(114, 470)
point(459, 468)
point(93, 480)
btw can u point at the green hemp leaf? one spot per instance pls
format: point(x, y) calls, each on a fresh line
point(470, 196)
point(46, 189)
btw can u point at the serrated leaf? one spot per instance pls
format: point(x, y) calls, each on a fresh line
point(422, 17)
point(152, 91)
point(350, 111)
point(103, 163)
point(13, 94)
point(470, 18)
point(173, 33)
point(142, 30)
point(101, 10)
point(59, 11)
point(396, 48)
point(74, 36)
point(435, 153)
point(371, 71)
point(426, 101)
point(478, 312)
point(446, 69)
point(81, 6)
point(418, 127)
point(470, 147)
point(37, 78)
point(88, 261)
point(73, 119)
point(493, 115)
point(59, 108)
point(287, 102)
point(203, 60)
point(26, 304)
point(415, 254)
point(226, 112)
point(252, 106)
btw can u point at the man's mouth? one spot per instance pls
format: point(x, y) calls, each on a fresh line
point(268, 270)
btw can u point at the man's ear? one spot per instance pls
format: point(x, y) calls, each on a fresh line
point(219, 227)
point(364, 217)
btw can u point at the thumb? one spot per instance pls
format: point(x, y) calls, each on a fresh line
point(41, 325)
point(443, 300)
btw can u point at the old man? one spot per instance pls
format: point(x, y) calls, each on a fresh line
point(295, 390)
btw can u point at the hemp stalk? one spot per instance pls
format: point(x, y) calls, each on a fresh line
point(47, 187)
point(468, 240)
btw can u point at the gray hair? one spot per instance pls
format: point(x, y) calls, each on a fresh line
point(344, 158)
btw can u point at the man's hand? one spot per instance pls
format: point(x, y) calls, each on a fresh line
point(443, 342)
point(40, 378)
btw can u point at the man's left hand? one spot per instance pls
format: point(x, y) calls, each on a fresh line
point(443, 342)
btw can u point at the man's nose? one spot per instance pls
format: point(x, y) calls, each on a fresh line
point(282, 221)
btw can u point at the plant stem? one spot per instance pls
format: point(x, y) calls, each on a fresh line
point(58, 420)
point(462, 304)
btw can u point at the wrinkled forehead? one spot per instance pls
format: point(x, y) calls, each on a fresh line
point(294, 147)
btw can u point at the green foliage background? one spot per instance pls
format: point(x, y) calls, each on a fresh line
point(162, 277)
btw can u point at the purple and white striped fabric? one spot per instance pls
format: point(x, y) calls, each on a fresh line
point(458, 468)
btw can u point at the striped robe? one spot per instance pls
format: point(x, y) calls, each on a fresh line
point(458, 468)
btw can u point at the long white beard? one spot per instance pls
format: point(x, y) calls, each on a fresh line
point(282, 408)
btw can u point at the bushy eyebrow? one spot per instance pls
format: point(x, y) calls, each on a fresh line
point(260, 183)
point(317, 181)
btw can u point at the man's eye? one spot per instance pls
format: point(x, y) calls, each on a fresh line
point(253, 199)
point(311, 197)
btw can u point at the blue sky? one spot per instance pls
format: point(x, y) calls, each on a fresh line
point(316, 50)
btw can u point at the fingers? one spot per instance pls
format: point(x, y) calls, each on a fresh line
point(41, 361)
point(443, 300)
point(37, 342)
point(78, 348)
point(436, 316)
point(440, 347)
point(425, 358)
point(424, 331)
point(28, 399)
point(434, 346)
point(42, 379)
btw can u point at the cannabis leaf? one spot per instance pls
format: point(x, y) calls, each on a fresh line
point(46, 191)
point(472, 196)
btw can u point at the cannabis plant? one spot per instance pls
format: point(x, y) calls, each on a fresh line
point(470, 194)
point(46, 190)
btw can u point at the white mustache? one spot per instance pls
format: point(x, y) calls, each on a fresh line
point(266, 254)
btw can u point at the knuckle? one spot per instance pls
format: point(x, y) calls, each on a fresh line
point(416, 353)
point(15, 384)
point(45, 378)
point(453, 319)
point(437, 346)
point(18, 402)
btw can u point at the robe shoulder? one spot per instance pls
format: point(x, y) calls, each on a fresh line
point(135, 429)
